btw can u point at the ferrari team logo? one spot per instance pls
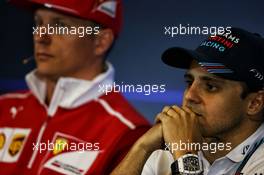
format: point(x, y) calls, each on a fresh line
point(107, 7)
point(2, 140)
point(60, 145)
point(16, 144)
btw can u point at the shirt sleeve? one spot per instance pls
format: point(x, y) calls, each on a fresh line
point(158, 163)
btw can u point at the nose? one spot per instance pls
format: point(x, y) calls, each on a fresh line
point(192, 94)
point(42, 37)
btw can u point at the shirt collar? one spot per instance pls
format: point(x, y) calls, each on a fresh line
point(240, 151)
point(70, 92)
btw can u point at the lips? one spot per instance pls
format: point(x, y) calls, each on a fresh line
point(43, 56)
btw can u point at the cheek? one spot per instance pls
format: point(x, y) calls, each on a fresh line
point(78, 47)
point(70, 49)
point(222, 114)
point(224, 108)
point(218, 112)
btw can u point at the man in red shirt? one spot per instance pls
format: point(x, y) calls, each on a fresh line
point(65, 123)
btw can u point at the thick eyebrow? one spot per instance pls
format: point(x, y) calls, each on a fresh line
point(211, 78)
point(59, 19)
point(188, 75)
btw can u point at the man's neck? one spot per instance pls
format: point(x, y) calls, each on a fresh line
point(235, 137)
point(87, 74)
point(50, 89)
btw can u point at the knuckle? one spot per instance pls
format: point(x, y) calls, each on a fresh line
point(165, 108)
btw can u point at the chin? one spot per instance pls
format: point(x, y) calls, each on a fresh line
point(46, 73)
point(43, 71)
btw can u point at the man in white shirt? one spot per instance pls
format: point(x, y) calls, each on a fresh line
point(219, 127)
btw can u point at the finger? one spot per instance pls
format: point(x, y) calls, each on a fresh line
point(157, 119)
point(178, 110)
point(162, 118)
point(166, 109)
point(172, 113)
point(189, 111)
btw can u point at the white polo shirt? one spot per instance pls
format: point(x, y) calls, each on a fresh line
point(159, 162)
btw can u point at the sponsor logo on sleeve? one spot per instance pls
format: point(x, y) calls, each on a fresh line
point(12, 143)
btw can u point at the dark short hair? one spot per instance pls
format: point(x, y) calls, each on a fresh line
point(247, 90)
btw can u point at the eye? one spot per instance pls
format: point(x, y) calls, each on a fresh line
point(211, 87)
point(188, 83)
point(61, 24)
point(38, 21)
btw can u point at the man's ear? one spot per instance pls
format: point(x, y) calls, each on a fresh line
point(103, 41)
point(256, 103)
